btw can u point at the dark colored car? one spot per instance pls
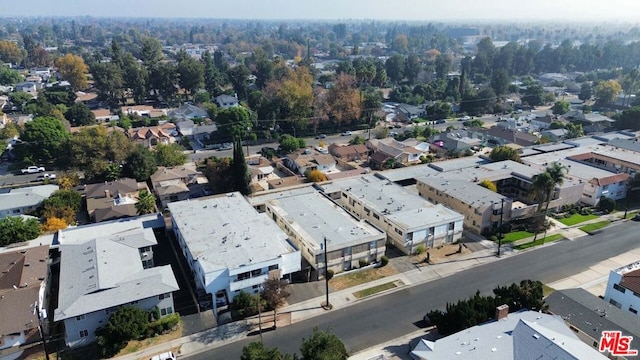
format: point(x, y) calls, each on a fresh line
point(637, 217)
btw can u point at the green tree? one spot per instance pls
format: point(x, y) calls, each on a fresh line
point(443, 65)
point(275, 293)
point(9, 76)
point(239, 78)
point(500, 153)
point(9, 131)
point(202, 97)
point(44, 140)
point(500, 81)
point(62, 204)
point(257, 351)
point(534, 95)
point(586, 92)
point(20, 99)
point(357, 140)
point(573, 131)
point(170, 155)
point(629, 119)
point(191, 74)
point(127, 323)
point(15, 229)
point(560, 107)
point(218, 172)
point(146, 203)
point(109, 81)
point(395, 68)
point(213, 79)
point(234, 121)
point(79, 114)
point(150, 52)
point(239, 169)
point(99, 154)
point(323, 345)
point(140, 164)
point(163, 79)
point(412, 67)
point(289, 144)
point(135, 78)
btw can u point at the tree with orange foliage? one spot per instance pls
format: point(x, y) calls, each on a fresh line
point(74, 70)
point(343, 104)
point(53, 224)
point(316, 176)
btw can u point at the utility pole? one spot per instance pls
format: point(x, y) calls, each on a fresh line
point(327, 305)
point(500, 235)
point(41, 330)
point(260, 313)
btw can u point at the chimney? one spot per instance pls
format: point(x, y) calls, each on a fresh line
point(107, 193)
point(502, 311)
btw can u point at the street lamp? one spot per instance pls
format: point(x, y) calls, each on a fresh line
point(260, 311)
point(327, 305)
point(500, 235)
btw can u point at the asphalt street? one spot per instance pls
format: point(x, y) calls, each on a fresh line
point(390, 316)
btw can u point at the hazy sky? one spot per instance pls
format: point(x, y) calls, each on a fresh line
point(529, 10)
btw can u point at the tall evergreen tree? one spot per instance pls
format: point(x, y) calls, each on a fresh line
point(239, 168)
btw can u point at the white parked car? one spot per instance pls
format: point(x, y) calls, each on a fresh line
point(33, 170)
point(465, 118)
point(43, 177)
point(164, 356)
point(347, 133)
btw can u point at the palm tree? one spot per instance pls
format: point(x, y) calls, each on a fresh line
point(557, 172)
point(146, 203)
point(542, 186)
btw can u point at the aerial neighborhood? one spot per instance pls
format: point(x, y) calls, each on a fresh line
point(188, 188)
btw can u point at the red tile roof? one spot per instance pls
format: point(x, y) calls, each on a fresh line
point(631, 281)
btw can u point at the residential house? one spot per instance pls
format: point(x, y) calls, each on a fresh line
point(151, 136)
point(21, 201)
point(178, 183)
point(108, 265)
point(185, 128)
point(23, 297)
point(623, 288)
point(45, 72)
point(349, 152)
point(260, 170)
point(588, 315)
point(144, 111)
point(225, 101)
point(408, 220)
point(202, 133)
point(408, 113)
point(26, 86)
point(554, 134)
point(187, 112)
point(501, 136)
point(308, 161)
point(456, 141)
point(230, 247)
point(517, 336)
point(113, 200)
point(104, 115)
point(312, 221)
point(389, 148)
point(542, 122)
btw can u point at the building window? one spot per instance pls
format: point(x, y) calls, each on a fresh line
point(398, 231)
point(166, 311)
point(80, 318)
point(256, 272)
point(619, 288)
point(273, 267)
point(633, 310)
point(164, 296)
point(615, 303)
point(243, 276)
point(375, 216)
point(84, 333)
point(344, 195)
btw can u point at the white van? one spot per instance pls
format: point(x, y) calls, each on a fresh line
point(164, 356)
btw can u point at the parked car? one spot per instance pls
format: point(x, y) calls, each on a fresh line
point(393, 133)
point(441, 121)
point(164, 356)
point(33, 170)
point(347, 133)
point(225, 146)
point(637, 217)
point(465, 118)
point(321, 136)
point(45, 176)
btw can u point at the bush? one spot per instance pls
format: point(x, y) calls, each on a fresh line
point(607, 205)
point(419, 249)
point(363, 263)
point(167, 323)
point(330, 274)
point(384, 260)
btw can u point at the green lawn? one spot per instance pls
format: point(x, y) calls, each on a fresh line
point(550, 238)
point(547, 290)
point(516, 235)
point(577, 218)
point(630, 214)
point(374, 290)
point(595, 226)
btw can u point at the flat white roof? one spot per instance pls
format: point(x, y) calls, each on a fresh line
point(317, 217)
point(466, 191)
point(227, 232)
point(394, 202)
